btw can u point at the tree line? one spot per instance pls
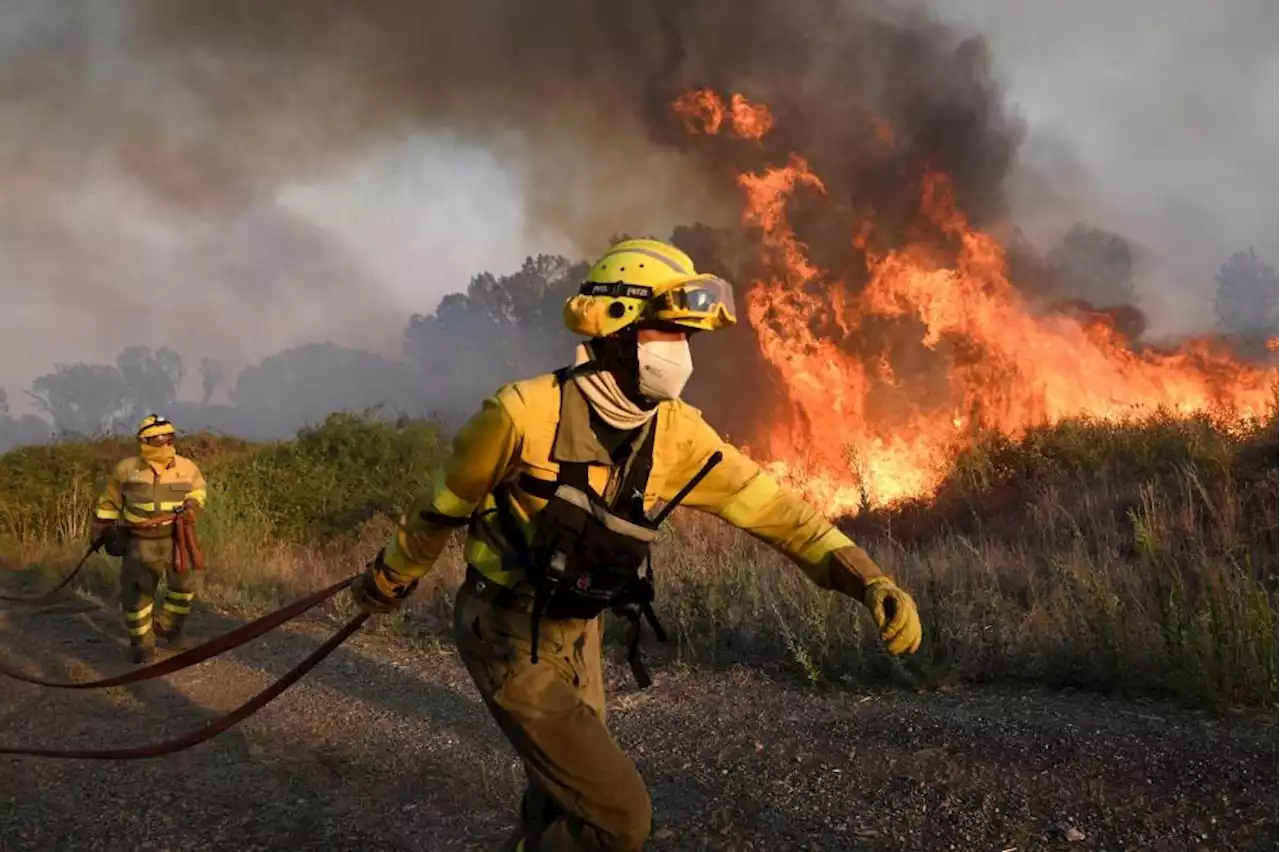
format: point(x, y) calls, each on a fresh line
point(503, 327)
point(499, 328)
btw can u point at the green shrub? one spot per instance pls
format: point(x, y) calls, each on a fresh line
point(1136, 558)
point(325, 482)
point(333, 477)
point(46, 490)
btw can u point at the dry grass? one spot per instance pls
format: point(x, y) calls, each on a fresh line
point(1157, 581)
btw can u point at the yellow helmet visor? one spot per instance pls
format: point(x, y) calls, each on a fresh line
point(704, 302)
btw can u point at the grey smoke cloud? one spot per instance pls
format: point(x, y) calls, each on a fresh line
point(231, 201)
point(230, 178)
point(1156, 119)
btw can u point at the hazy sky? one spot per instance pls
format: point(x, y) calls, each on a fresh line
point(1155, 119)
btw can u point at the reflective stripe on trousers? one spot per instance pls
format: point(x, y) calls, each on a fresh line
point(178, 603)
point(138, 621)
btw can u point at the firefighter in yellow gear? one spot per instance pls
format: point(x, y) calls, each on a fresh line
point(136, 513)
point(555, 478)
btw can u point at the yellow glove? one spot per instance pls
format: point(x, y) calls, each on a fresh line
point(894, 613)
point(373, 592)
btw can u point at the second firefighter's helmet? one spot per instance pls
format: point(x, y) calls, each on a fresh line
point(647, 280)
point(153, 426)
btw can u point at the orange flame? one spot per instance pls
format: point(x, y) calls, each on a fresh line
point(750, 121)
point(873, 435)
point(702, 111)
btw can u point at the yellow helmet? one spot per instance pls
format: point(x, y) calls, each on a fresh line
point(153, 426)
point(648, 280)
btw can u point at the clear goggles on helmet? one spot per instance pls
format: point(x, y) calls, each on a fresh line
point(705, 295)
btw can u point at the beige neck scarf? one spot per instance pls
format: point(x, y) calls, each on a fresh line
point(602, 391)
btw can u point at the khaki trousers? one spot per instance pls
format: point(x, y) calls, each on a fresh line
point(584, 792)
point(145, 561)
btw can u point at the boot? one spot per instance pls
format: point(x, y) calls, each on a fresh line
point(175, 640)
point(144, 652)
point(536, 810)
point(177, 606)
point(170, 630)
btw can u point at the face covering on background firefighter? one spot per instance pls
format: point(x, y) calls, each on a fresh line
point(665, 367)
point(160, 455)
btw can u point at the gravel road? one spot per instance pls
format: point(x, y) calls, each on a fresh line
point(385, 746)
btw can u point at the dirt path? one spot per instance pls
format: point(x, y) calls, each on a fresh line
point(386, 747)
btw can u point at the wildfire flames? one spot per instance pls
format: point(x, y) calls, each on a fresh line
point(704, 112)
point(993, 362)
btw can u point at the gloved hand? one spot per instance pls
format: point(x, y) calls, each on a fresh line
point(895, 615)
point(98, 527)
point(373, 593)
point(191, 509)
point(115, 539)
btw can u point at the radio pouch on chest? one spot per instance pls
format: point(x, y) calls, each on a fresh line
point(587, 557)
point(589, 554)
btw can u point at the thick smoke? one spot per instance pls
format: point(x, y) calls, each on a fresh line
point(872, 94)
point(558, 90)
point(580, 93)
point(157, 154)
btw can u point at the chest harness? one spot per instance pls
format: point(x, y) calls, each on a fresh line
point(589, 554)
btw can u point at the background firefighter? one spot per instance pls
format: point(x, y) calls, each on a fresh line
point(143, 508)
point(614, 423)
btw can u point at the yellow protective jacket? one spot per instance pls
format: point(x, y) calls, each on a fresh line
point(529, 427)
point(139, 491)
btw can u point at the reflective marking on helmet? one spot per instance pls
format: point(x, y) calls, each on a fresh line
point(617, 289)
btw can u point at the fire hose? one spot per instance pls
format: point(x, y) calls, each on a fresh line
point(185, 544)
point(94, 546)
point(219, 645)
point(215, 727)
point(241, 635)
point(186, 547)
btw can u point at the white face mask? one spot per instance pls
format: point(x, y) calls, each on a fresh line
point(665, 366)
